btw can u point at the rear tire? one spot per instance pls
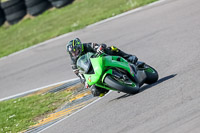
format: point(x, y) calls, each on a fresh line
point(113, 83)
point(152, 75)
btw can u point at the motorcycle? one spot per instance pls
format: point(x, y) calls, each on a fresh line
point(115, 73)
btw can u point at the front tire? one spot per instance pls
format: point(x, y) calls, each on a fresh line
point(152, 75)
point(122, 87)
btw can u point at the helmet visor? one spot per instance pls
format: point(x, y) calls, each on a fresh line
point(75, 53)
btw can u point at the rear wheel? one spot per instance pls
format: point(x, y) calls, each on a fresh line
point(152, 75)
point(121, 85)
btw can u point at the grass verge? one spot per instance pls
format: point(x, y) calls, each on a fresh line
point(18, 114)
point(56, 22)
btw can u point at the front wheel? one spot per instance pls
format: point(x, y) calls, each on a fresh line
point(120, 85)
point(152, 75)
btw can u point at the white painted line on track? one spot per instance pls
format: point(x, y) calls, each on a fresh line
point(76, 111)
point(95, 24)
point(37, 89)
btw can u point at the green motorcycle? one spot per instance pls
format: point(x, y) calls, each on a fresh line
point(115, 73)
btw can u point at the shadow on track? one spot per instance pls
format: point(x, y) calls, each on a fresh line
point(147, 86)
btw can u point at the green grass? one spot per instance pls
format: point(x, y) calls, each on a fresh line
point(56, 22)
point(18, 114)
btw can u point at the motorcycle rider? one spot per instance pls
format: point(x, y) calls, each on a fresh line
point(76, 49)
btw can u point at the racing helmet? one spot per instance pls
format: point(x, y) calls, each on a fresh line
point(75, 48)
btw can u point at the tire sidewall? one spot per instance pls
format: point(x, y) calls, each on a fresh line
point(39, 8)
point(111, 82)
point(15, 8)
point(31, 3)
point(9, 3)
point(15, 17)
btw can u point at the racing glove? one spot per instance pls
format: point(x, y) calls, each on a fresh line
point(101, 48)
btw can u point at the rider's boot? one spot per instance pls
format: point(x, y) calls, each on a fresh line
point(97, 91)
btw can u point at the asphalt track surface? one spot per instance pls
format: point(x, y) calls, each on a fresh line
point(166, 36)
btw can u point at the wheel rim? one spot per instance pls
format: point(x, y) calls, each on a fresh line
point(150, 70)
point(123, 82)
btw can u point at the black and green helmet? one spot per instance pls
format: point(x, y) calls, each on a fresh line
point(75, 47)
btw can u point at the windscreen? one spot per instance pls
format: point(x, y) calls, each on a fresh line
point(83, 63)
